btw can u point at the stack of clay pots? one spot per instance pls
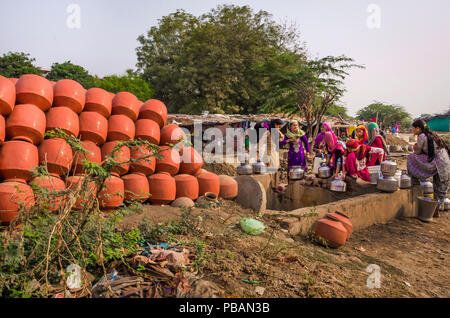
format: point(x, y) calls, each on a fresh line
point(333, 230)
point(32, 105)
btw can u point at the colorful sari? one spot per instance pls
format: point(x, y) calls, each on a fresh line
point(356, 162)
point(335, 148)
point(363, 141)
point(376, 141)
point(319, 142)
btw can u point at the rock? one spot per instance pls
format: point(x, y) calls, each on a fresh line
point(260, 290)
point(183, 202)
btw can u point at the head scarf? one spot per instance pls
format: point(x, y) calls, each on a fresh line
point(290, 135)
point(354, 144)
point(374, 132)
point(365, 137)
point(321, 135)
point(331, 141)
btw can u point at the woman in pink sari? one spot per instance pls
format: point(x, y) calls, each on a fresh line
point(357, 157)
point(319, 142)
point(336, 153)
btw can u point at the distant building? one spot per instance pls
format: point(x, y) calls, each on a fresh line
point(44, 71)
point(438, 123)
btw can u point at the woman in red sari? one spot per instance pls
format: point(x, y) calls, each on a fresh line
point(357, 158)
point(336, 153)
point(377, 141)
point(361, 135)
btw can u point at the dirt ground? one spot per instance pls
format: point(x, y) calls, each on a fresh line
point(413, 258)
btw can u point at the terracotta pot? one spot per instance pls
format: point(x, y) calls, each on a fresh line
point(169, 161)
point(52, 184)
point(155, 110)
point(94, 154)
point(98, 100)
point(228, 187)
point(208, 182)
point(112, 194)
point(122, 156)
point(136, 187)
point(17, 159)
point(329, 232)
point(63, 118)
point(2, 130)
point(53, 83)
point(69, 93)
point(191, 161)
point(36, 90)
point(14, 80)
point(26, 122)
point(86, 196)
point(57, 153)
point(182, 202)
point(187, 186)
point(338, 216)
point(11, 195)
point(200, 172)
point(7, 96)
point(146, 165)
point(120, 127)
point(162, 188)
point(125, 103)
point(170, 134)
point(93, 127)
point(147, 129)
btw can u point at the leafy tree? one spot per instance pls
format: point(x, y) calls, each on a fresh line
point(130, 82)
point(16, 64)
point(67, 70)
point(388, 115)
point(337, 111)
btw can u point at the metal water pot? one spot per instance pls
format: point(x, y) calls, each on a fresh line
point(388, 168)
point(447, 204)
point(387, 184)
point(338, 185)
point(426, 187)
point(259, 167)
point(405, 181)
point(324, 171)
point(245, 169)
point(296, 173)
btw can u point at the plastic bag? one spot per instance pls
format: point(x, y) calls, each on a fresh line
point(74, 276)
point(252, 226)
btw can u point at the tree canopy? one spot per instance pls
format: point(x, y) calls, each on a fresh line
point(16, 64)
point(388, 115)
point(67, 70)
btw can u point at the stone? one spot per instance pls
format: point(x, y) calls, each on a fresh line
point(260, 290)
point(251, 193)
point(183, 202)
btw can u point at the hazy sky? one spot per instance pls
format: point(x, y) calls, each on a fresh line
point(407, 58)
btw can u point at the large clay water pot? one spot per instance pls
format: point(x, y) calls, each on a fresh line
point(52, 200)
point(69, 93)
point(187, 186)
point(112, 194)
point(147, 129)
point(155, 110)
point(93, 127)
point(2, 130)
point(14, 80)
point(169, 161)
point(145, 165)
point(341, 217)
point(120, 127)
point(98, 100)
point(200, 172)
point(12, 196)
point(87, 194)
point(170, 134)
point(125, 103)
point(208, 182)
point(57, 153)
point(122, 156)
point(17, 159)
point(162, 188)
point(228, 187)
point(26, 122)
point(63, 118)
point(191, 160)
point(36, 90)
point(7, 96)
point(136, 187)
point(94, 154)
point(330, 232)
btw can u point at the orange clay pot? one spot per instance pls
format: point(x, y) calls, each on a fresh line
point(170, 134)
point(169, 161)
point(26, 122)
point(36, 90)
point(147, 129)
point(86, 197)
point(155, 110)
point(208, 182)
point(98, 100)
point(94, 154)
point(7, 96)
point(330, 232)
point(191, 161)
point(146, 165)
point(57, 153)
point(11, 194)
point(200, 172)
point(63, 118)
point(228, 187)
point(69, 93)
point(52, 184)
point(2, 130)
point(112, 194)
point(162, 188)
point(136, 187)
point(187, 186)
point(122, 156)
point(125, 103)
point(17, 158)
point(120, 127)
point(93, 127)
point(338, 216)
point(14, 80)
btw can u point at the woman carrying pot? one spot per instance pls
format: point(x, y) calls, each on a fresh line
point(335, 154)
point(297, 144)
point(430, 159)
point(357, 157)
point(376, 141)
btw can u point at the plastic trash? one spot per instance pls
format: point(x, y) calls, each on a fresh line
point(73, 276)
point(252, 226)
